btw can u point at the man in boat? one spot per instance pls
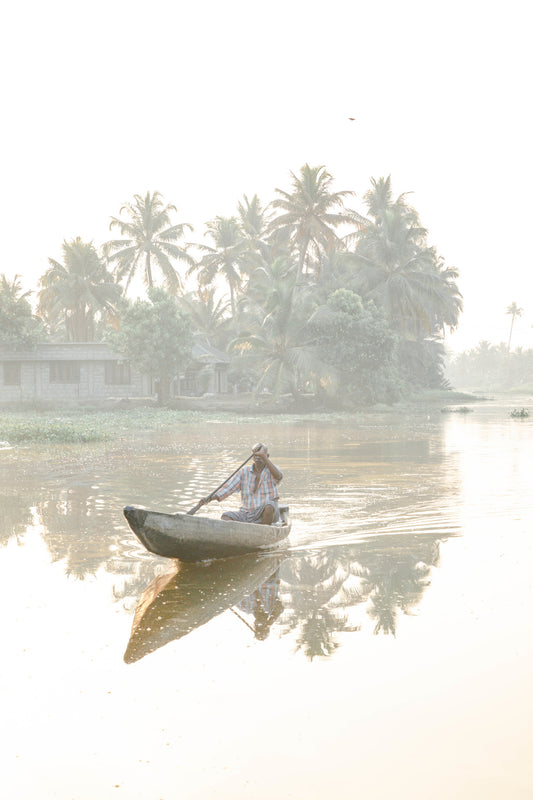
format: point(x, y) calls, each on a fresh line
point(258, 484)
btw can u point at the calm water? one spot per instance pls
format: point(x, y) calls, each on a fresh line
point(387, 651)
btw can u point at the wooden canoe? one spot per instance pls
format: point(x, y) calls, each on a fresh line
point(189, 595)
point(191, 538)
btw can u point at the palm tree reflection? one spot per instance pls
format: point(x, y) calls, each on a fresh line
point(317, 593)
point(15, 516)
point(330, 593)
point(397, 585)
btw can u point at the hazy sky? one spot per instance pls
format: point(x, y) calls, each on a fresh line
point(208, 100)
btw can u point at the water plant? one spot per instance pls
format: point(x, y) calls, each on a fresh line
point(519, 413)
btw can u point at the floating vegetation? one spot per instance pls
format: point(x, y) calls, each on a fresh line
point(519, 413)
point(456, 410)
point(58, 431)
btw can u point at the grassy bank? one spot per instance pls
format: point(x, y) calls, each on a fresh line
point(84, 425)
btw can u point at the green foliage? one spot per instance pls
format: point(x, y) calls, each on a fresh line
point(79, 292)
point(356, 340)
point(86, 425)
point(228, 257)
point(519, 413)
point(19, 329)
point(50, 431)
point(156, 336)
point(310, 214)
point(150, 241)
point(208, 316)
point(321, 298)
point(397, 268)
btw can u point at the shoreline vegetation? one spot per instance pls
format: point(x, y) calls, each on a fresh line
point(304, 295)
point(51, 425)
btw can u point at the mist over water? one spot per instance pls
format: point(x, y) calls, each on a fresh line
point(393, 629)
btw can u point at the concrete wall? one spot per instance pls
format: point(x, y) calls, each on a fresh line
point(36, 384)
point(35, 369)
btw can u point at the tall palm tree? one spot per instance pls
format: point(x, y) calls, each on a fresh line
point(311, 213)
point(379, 199)
point(228, 257)
point(254, 221)
point(396, 269)
point(151, 240)
point(514, 311)
point(78, 292)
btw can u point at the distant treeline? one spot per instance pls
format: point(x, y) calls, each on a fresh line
point(306, 294)
point(492, 367)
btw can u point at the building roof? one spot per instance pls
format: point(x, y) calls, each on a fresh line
point(202, 351)
point(99, 351)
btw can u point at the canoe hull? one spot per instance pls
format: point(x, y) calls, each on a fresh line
point(191, 538)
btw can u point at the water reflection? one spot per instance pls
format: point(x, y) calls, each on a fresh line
point(78, 531)
point(370, 506)
point(262, 607)
point(15, 516)
point(331, 592)
point(312, 597)
point(189, 595)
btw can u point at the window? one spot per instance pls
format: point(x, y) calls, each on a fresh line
point(117, 372)
point(12, 373)
point(64, 372)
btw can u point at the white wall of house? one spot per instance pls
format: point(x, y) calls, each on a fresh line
point(68, 372)
point(79, 371)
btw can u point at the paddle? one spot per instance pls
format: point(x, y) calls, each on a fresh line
point(213, 493)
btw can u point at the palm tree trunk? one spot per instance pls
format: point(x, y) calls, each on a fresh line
point(301, 262)
point(510, 334)
point(148, 270)
point(232, 299)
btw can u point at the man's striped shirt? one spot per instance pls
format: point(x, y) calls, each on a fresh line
point(244, 480)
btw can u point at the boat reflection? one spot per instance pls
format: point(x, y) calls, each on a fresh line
point(312, 596)
point(189, 595)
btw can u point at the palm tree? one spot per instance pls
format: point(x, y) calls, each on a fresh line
point(379, 199)
point(151, 240)
point(19, 328)
point(514, 311)
point(311, 213)
point(267, 283)
point(228, 257)
point(396, 269)
point(12, 292)
point(208, 315)
point(78, 292)
point(279, 345)
point(254, 221)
